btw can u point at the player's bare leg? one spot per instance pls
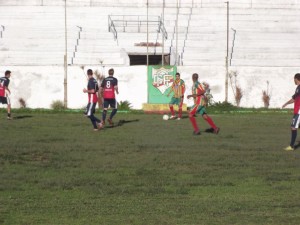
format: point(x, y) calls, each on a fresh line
point(8, 112)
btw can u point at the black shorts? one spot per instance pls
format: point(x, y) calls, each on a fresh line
point(4, 100)
point(295, 121)
point(90, 108)
point(110, 102)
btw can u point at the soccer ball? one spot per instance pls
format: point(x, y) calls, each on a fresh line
point(165, 117)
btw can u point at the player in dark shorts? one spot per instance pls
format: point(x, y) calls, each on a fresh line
point(296, 118)
point(109, 87)
point(5, 92)
point(92, 90)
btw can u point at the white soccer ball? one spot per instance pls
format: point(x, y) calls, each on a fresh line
point(165, 117)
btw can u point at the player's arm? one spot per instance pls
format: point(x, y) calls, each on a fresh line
point(200, 92)
point(6, 83)
point(116, 85)
point(182, 89)
point(288, 102)
point(171, 90)
point(91, 91)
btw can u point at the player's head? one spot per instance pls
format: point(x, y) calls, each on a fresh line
point(111, 72)
point(177, 75)
point(297, 78)
point(195, 77)
point(90, 72)
point(7, 73)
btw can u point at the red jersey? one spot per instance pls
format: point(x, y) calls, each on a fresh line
point(296, 98)
point(108, 85)
point(4, 82)
point(198, 89)
point(93, 85)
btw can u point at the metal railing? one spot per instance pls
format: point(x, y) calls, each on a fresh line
point(77, 43)
point(112, 28)
point(232, 47)
point(122, 23)
point(2, 30)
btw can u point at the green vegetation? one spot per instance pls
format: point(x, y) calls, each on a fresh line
point(54, 169)
point(57, 105)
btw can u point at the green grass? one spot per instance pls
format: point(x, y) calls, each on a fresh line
point(55, 170)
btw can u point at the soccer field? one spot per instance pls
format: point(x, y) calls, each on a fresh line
point(54, 169)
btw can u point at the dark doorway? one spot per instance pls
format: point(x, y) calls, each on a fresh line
point(153, 60)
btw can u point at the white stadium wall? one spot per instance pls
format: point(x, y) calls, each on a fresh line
point(32, 46)
point(40, 86)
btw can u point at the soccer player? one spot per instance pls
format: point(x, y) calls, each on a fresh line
point(296, 118)
point(92, 90)
point(109, 87)
point(178, 88)
point(198, 91)
point(5, 92)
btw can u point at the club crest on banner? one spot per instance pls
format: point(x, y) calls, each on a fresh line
point(162, 78)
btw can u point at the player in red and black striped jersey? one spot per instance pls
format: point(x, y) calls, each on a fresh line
point(296, 118)
point(92, 90)
point(109, 87)
point(5, 92)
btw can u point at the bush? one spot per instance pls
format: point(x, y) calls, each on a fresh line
point(22, 103)
point(124, 105)
point(223, 106)
point(57, 105)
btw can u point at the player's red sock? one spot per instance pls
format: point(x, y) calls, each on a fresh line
point(210, 122)
point(172, 110)
point(180, 112)
point(194, 123)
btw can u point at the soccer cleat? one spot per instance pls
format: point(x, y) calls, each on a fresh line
point(216, 131)
point(9, 118)
point(196, 132)
point(172, 117)
point(289, 148)
point(210, 130)
point(178, 118)
point(110, 122)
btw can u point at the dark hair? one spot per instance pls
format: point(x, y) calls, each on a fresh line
point(89, 72)
point(111, 72)
point(7, 72)
point(297, 76)
point(177, 74)
point(196, 75)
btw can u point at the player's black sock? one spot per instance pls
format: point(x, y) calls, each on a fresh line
point(114, 111)
point(104, 115)
point(8, 114)
point(293, 138)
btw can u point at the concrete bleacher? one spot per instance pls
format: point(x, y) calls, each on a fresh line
point(266, 34)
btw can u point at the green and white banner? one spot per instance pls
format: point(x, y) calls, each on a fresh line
point(160, 79)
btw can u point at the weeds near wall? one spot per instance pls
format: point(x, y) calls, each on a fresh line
point(266, 96)
point(57, 105)
point(22, 103)
point(236, 89)
point(124, 105)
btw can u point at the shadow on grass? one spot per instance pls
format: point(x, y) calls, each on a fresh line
point(21, 117)
point(122, 122)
